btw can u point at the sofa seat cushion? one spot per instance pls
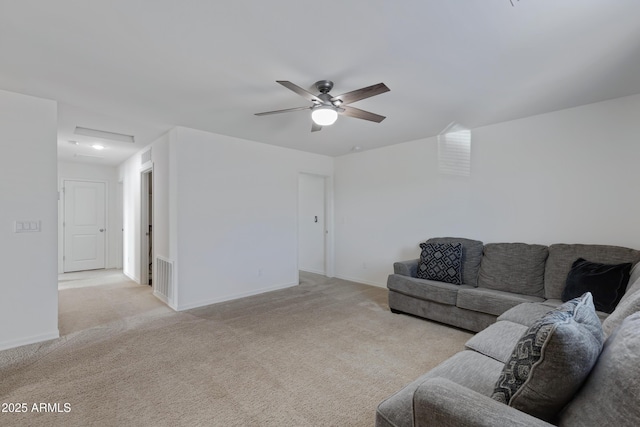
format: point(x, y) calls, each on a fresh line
point(471, 256)
point(550, 362)
point(554, 303)
point(498, 340)
point(467, 368)
point(491, 301)
point(526, 313)
point(513, 267)
point(609, 396)
point(444, 293)
point(562, 256)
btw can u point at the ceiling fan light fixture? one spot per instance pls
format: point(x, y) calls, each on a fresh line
point(324, 115)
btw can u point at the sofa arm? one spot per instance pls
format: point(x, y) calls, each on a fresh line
point(406, 268)
point(441, 402)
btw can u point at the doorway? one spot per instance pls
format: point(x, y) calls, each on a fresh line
point(84, 225)
point(146, 240)
point(312, 223)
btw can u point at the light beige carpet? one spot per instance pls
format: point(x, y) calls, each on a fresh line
point(324, 353)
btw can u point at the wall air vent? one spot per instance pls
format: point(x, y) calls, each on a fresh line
point(103, 134)
point(163, 282)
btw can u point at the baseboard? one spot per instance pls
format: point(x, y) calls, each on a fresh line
point(357, 280)
point(134, 278)
point(183, 307)
point(310, 270)
point(29, 340)
point(165, 300)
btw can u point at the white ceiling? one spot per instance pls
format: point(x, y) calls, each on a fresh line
point(141, 67)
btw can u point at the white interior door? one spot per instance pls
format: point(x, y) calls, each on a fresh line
point(84, 225)
point(311, 223)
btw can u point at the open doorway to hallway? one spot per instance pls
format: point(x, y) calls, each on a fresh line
point(146, 224)
point(96, 298)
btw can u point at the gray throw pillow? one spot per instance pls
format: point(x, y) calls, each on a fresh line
point(441, 262)
point(552, 359)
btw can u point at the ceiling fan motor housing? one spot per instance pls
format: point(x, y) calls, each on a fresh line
point(324, 86)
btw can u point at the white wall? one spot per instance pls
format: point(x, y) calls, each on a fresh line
point(101, 173)
point(29, 303)
point(311, 224)
point(567, 176)
point(237, 204)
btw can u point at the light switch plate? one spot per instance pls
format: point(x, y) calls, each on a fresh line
point(27, 226)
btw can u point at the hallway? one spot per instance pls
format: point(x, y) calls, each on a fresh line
point(88, 299)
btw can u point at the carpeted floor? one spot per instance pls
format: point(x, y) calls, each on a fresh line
point(324, 353)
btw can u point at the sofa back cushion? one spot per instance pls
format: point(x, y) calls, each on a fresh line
point(629, 305)
point(609, 396)
point(562, 256)
point(634, 282)
point(513, 267)
point(471, 256)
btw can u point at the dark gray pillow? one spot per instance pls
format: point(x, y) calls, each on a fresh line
point(441, 262)
point(606, 282)
point(552, 359)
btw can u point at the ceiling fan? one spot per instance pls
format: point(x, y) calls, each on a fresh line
point(325, 108)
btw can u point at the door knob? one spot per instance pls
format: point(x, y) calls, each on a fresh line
point(102, 230)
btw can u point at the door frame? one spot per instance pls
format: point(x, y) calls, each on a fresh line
point(61, 219)
point(329, 267)
point(144, 225)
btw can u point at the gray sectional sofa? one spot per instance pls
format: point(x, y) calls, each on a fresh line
point(496, 277)
point(584, 372)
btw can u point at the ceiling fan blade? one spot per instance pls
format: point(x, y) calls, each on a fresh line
point(361, 114)
point(315, 127)
point(283, 111)
point(357, 95)
point(297, 89)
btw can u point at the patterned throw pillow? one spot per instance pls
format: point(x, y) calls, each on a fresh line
point(441, 262)
point(552, 359)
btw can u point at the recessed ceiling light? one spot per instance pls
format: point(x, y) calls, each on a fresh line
point(103, 134)
point(98, 146)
